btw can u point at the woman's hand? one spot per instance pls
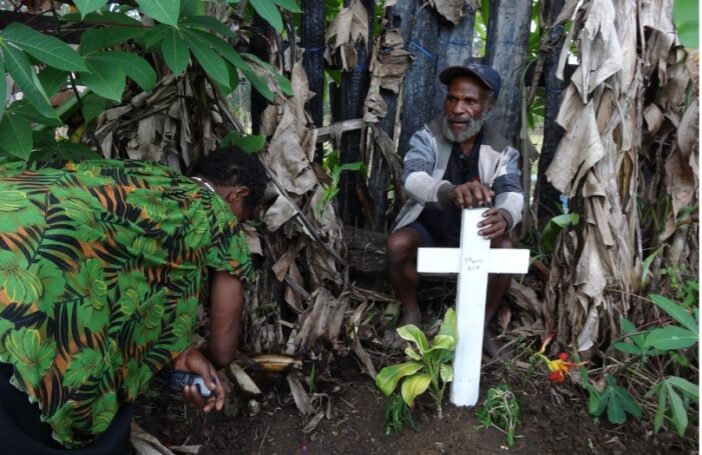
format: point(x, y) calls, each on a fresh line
point(193, 361)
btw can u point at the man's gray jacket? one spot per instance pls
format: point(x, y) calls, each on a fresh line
point(425, 165)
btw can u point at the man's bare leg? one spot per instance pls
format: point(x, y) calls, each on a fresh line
point(498, 284)
point(401, 251)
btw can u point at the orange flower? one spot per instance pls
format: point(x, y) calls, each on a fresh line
point(558, 367)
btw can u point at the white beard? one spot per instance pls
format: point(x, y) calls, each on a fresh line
point(473, 127)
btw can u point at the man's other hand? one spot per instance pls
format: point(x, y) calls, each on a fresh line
point(470, 195)
point(494, 224)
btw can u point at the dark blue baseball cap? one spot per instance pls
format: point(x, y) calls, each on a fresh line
point(487, 75)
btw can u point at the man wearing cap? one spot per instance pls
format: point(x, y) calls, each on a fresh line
point(456, 161)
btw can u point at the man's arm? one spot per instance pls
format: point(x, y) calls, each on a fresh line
point(416, 176)
point(227, 304)
point(507, 184)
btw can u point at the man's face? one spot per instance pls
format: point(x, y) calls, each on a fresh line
point(465, 102)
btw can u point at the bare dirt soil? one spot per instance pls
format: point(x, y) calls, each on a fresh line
point(552, 420)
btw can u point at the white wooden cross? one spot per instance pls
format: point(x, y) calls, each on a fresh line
point(473, 260)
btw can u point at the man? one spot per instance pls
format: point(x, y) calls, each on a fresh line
point(455, 162)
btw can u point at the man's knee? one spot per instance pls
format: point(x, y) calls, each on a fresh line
point(402, 244)
point(503, 241)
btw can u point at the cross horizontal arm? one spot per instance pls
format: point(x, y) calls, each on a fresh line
point(448, 260)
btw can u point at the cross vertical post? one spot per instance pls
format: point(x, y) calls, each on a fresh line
point(473, 260)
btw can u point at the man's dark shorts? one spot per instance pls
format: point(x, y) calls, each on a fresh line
point(427, 241)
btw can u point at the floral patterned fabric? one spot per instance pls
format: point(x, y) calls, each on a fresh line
point(101, 266)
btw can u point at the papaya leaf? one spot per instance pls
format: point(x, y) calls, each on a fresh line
point(414, 386)
point(17, 64)
point(16, 136)
point(165, 11)
point(105, 79)
point(267, 10)
point(388, 377)
point(175, 51)
point(47, 49)
point(88, 6)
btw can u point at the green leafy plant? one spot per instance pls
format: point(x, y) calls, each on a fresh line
point(429, 367)
point(614, 399)
point(500, 410)
point(397, 415)
point(554, 227)
point(333, 166)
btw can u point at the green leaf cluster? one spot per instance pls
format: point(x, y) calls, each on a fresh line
point(397, 415)
point(673, 394)
point(117, 46)
point(500, 410)
point(429, 367)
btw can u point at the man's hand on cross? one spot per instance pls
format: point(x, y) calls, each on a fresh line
point(493, 225)
point(471, 195)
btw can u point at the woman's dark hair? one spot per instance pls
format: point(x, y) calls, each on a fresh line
point(232, 166)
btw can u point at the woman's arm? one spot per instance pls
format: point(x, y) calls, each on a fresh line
point(227, 304)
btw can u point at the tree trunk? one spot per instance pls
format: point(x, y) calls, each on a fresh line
point(547, 197)
point(354, 88)
point(507, 42)
point(313, 60)
point(422, 39)
point(456, 48)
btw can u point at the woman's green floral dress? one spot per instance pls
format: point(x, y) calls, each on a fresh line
point(101, 266)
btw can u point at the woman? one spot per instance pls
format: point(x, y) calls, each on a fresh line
point(101, 266)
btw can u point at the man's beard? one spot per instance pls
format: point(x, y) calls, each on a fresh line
point(473, 127)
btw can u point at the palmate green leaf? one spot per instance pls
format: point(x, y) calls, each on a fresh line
point(660, 410)
point(93, 105)
point(209, 60)
point(207, 24)
point(47, 49)
point(52, 79)
point(690, 389)
point(104, 18)
point(676, 311)
point(268, 11)
point(133, 65)
point(388, 377)
point(258, 83)
point(175, 51)
point(290, 5)
point(165, 11)
point(16, 136)
point(25, 110)
point(618, 402)
point(101, 38)
point(671, 337)
point(156, 35)
point(17, 64)
point(88, 6)
point(628, 348)
point(414, 386)
point(412, 333)
point(677, 410)
point(105, 79)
